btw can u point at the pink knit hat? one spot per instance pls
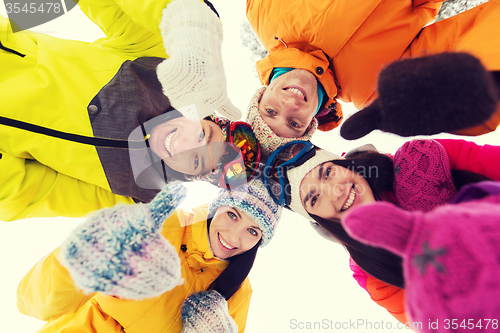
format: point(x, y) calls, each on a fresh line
point(269, 141)
point(422, 176)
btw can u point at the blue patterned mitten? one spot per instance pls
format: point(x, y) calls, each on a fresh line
point(120, 251)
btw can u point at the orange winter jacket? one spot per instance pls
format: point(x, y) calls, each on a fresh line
point(345, 43)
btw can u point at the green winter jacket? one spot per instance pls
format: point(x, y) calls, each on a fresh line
point(50, 82)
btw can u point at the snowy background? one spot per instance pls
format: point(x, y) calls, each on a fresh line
point(298, 277)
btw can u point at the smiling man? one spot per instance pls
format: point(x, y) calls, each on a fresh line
point(324, 50)
point(185, 145)
point(290, 102)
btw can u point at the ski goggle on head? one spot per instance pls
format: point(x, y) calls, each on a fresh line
point(286, 157)
point(240, 163)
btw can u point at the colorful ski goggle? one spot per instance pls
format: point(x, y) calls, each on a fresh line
point(286, 157)
point(239, 166)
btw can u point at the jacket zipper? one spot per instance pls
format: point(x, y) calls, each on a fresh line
point(87, 140)
point(11, 50)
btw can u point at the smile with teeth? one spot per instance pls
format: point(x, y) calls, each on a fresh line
point(226, 245)
point(168, 140)
point(297, 93)
point(350, 199)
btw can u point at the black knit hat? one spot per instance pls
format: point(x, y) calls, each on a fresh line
point(445, 92)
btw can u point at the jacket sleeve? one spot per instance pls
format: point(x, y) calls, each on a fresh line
point(135, 24)
point(387, 296)
point(358, 274)
point(428, 4)
point(466, 155)
point(31, 189)
point(239, 305)
point(47, 292)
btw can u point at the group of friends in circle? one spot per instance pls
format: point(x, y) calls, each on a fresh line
point(111, 129)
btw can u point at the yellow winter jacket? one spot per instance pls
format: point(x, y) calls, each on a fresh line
point(48, 293)
point(52, 86)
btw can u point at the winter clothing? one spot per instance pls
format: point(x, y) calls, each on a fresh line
point(69, 177)
point(339, 55)
point(345, 44)
point(85, 98)
point(119, 252)
point(47, 292)
point(193, 74)
point(422, 178)
point(477, 191)
point(449, 257)
point(463, 155)
point(254, 200)
point(444, 92)
point(206, 312)
point(469, 156)
point(269, 141)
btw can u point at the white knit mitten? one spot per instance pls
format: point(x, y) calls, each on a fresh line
point(194, 73)
point(207, 312)
point(120, 250)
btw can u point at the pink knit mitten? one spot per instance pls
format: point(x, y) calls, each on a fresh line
point(422, 176)
point(450, 260)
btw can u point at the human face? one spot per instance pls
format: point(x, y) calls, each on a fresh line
point(289, 103)
point(232, 232)
point(329, 191)
point(184, 145)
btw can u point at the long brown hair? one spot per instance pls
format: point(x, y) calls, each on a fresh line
point(379, 263)
point(231, 278)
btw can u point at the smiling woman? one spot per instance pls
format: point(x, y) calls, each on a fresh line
point(329, 190)
point(165, 256)
point(233, 232)
point(324, 188)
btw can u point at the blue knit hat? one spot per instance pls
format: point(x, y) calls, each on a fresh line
point(253, 199)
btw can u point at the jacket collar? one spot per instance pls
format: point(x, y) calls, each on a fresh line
point(198, 250)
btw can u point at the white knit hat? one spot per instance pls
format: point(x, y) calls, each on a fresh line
point(268, 140)
point(297, 174)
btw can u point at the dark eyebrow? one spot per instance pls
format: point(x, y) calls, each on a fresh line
point(237, 213)
point(310, 194)
point(306, 199)
point(320, 172)
point(210, 135)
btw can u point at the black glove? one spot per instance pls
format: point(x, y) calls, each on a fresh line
point(446, 92)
